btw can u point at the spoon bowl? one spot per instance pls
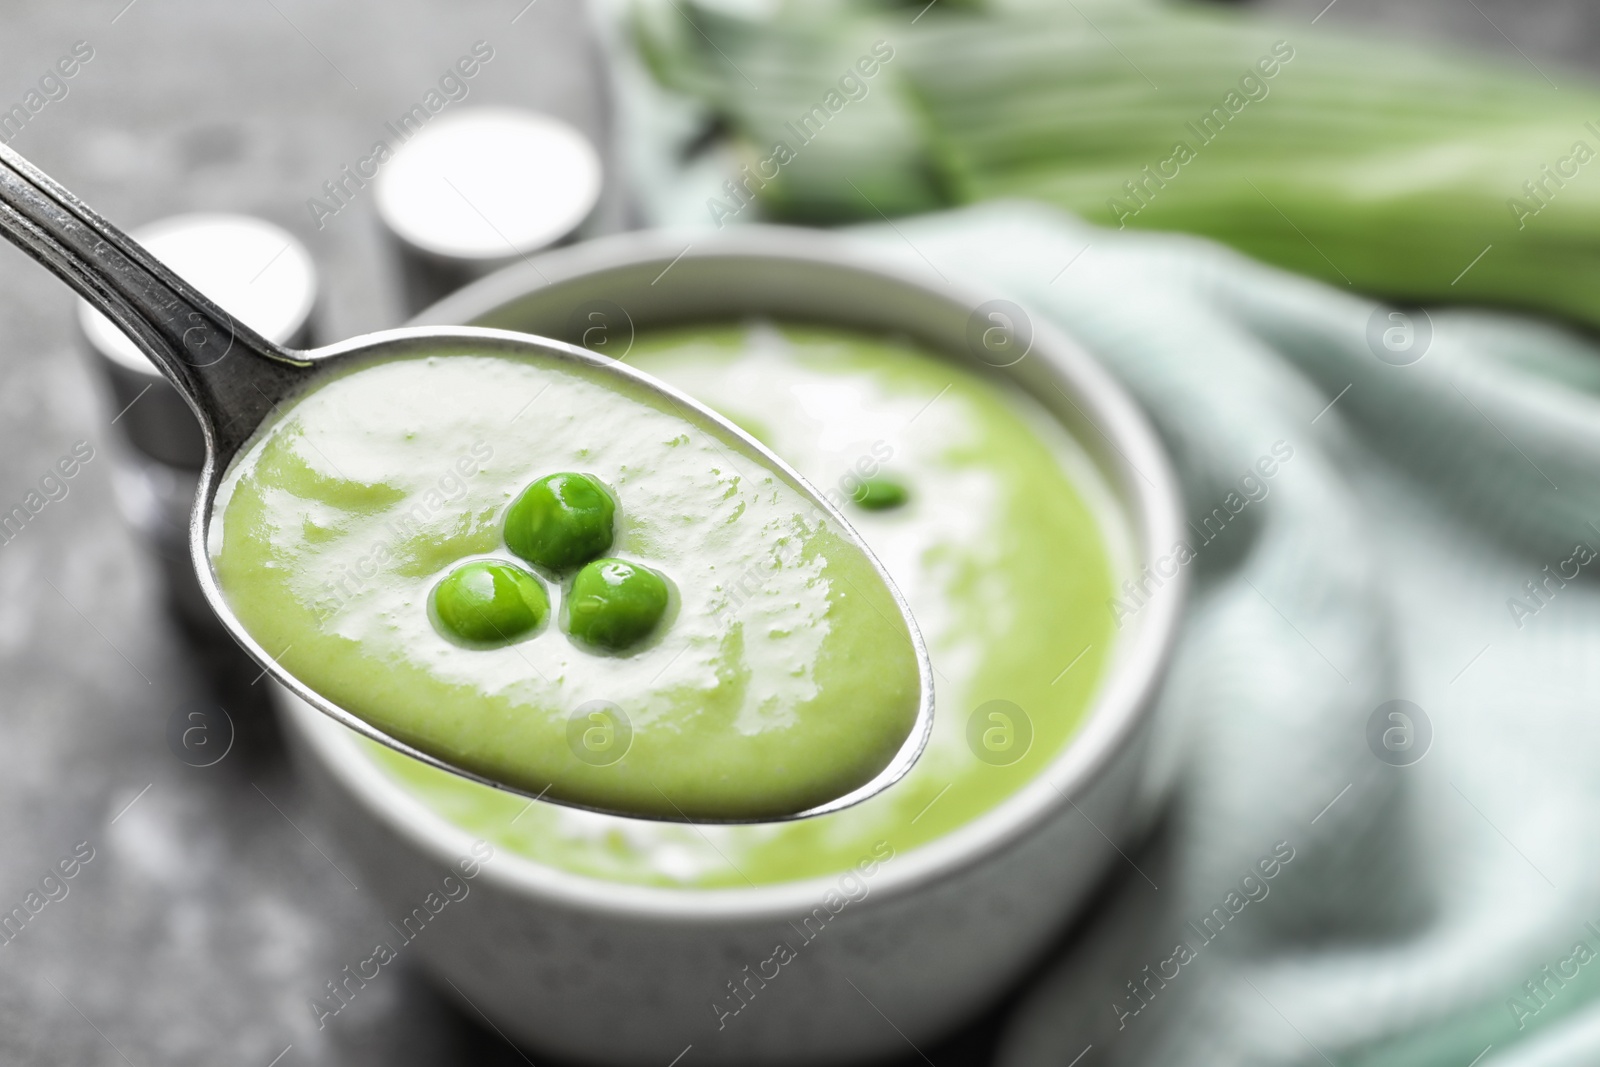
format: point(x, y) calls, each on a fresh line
point(236, 381)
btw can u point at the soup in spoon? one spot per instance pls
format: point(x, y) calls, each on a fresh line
point(577, 589)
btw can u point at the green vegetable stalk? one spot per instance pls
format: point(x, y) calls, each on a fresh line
point(1392, 169)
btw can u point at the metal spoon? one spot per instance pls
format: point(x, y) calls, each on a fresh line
point(234, 380)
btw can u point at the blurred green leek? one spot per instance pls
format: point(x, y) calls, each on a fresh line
point(1395, 170)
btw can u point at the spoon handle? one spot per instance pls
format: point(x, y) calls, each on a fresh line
point(184, 333)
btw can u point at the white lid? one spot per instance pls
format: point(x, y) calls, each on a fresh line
point(488, 184)
point(254, 270)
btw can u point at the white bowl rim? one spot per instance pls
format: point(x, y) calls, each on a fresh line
point(1122, 703)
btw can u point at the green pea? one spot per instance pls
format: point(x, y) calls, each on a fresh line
point(615, 604)
point(879, 494)
point(487, 603)
point(560, 521)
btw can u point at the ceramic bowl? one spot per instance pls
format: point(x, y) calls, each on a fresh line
point(627, 974)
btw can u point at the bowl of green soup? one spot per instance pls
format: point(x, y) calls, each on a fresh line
point(1010, 489)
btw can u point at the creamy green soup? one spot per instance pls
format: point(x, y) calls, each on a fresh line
point(560, 581)
point(991, 523)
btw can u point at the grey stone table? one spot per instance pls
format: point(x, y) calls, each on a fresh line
point(213, 906)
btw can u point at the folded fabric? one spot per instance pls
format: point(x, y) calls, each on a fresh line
point(1334, 884)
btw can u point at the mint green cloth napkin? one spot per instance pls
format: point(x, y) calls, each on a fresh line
point(1412, 910)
